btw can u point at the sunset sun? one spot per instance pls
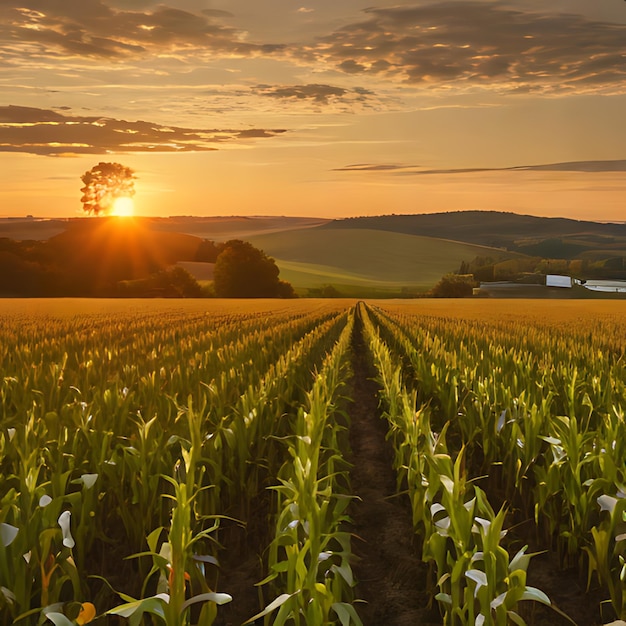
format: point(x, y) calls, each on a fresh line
point(123, 207)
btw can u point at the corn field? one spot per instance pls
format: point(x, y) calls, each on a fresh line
point(137, 437)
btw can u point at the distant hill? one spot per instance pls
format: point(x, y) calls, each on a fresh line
point(216, 229)
point(536, 236)
point(361, 260)
point(92, 257)
point(364, 256)
point(31, 229)
point(221, 229)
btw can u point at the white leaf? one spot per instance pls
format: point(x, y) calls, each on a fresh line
point(607, 503)
point(448, 483)
point(480, 578)
point(89, 480)
point(497, 601)
point(64, 523)
point(501, 421)
point(436, 508)
point(553, 441)
point(274, 604)
point(520, 560)
point(485, 523)
point(8, 594)
point(8, 534)
point(218, 598)
point(532, 593)
point(58, 619)
point(44, 501)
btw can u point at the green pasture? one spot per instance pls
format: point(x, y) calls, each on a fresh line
point(366, 259)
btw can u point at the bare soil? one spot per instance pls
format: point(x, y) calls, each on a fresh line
point(391, 577)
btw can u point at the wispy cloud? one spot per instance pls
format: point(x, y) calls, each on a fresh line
point(47, 132)
point(618, 165)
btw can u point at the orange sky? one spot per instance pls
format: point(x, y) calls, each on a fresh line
point(319, 108)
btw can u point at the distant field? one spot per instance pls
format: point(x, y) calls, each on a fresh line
point(200, 271)
point(213, 228)
point(236, 227)
point(520, 311)
point(361, 258)
point(37, 230)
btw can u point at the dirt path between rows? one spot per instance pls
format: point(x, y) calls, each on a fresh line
point(391, 579)
point(391, 576)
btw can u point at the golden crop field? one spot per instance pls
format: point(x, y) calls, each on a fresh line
point(148, 448)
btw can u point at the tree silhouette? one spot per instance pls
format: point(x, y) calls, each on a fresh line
point(103, 184)
point(243, 271)
point(454, 286)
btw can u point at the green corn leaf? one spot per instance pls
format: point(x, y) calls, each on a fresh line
point(515, 618)
point(346, 614)
point(345, 571)
point(446, 598)
point(153, 605)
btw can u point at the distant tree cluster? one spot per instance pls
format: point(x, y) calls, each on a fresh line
point(173, 283)
point(454, 286)
point(487, 269)
point(95, 258)
point(243, 271)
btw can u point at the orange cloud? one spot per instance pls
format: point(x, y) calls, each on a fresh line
point(45, 132)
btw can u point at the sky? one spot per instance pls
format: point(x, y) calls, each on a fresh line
point(326, 108)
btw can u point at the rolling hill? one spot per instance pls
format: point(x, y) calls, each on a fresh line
point(214, 228)
point(538, 236)
point(363, 260)
point(364, 256)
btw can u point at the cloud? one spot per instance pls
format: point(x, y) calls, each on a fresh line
point(454, 44)
point(617, 165)
point(475, 43)
point(320, 94)
point(91, 28)
point(45, 132)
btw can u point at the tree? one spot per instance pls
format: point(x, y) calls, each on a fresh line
point(104, 183)
point(454, 286)
point(243, 271)
point(176, 282)
point(207, 252)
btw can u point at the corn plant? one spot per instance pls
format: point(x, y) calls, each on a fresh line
point(309, 557)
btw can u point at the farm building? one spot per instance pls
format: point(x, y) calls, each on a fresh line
point(553, 286)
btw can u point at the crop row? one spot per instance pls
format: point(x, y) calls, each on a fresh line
point(126, 444)
point(135, 443)
point(530, 418)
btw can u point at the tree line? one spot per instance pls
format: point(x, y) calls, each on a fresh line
point(82, 262)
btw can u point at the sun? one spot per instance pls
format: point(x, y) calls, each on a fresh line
point(123, 207)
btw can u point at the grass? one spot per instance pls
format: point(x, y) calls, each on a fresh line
point(366, 259)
